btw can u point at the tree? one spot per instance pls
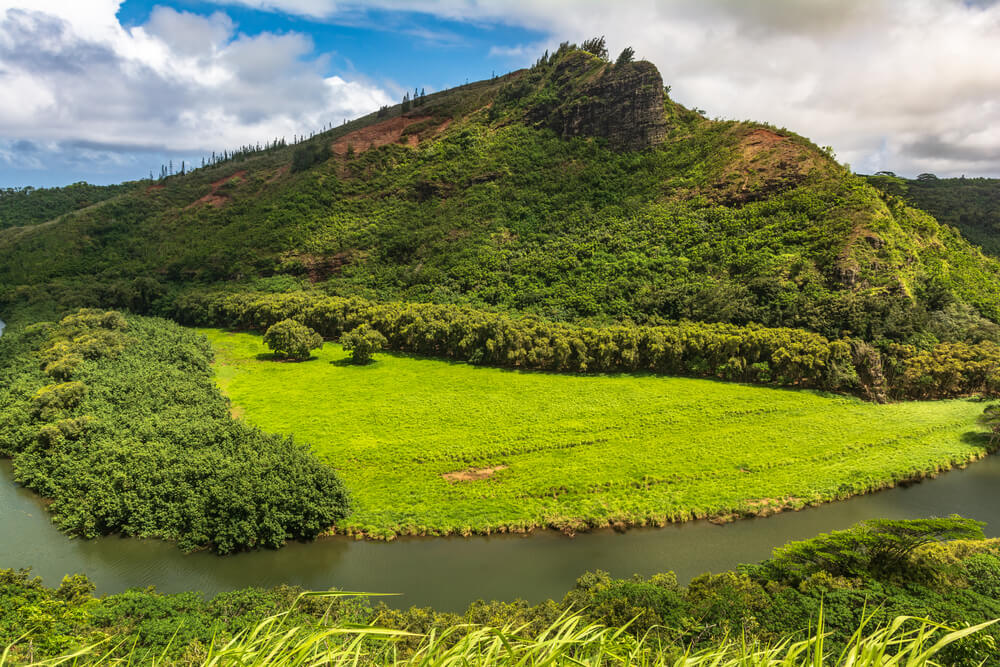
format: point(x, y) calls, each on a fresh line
point(406, 102)
point(881, 546)
point(596, 46)
point(926, 177)
point(362, 342)
point(627, 56)
point(290, 340)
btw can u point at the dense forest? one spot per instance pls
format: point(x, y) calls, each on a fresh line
point(28, 206)
point(861, 577)
point(118, 422)
point(972, 205)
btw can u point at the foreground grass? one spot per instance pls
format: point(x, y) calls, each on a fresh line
point(570, 640)
point(577, 451)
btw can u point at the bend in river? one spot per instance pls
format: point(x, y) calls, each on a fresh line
point(448, 573)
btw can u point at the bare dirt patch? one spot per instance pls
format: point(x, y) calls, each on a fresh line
point(320, 267)
point(472, 474)
point(765, 164)
point(386, 132)
point(214, 198)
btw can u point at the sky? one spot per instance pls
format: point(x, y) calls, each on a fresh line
point(109, 90)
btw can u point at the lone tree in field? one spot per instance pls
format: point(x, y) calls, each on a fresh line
point(290, 340)
point(362, 342)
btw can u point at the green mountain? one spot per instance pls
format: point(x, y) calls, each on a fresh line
point(970, 204)
point(575, 190)
point(27, 206)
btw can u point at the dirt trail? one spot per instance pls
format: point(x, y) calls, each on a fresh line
point(472, 474)
point(215, 199)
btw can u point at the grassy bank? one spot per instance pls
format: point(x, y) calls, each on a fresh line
point(849, 583)
point(433, 447)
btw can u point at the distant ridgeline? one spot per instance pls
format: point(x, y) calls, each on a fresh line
point(970, 204)
point(574, 191)
point(28, 206)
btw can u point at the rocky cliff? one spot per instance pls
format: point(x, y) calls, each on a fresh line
point(581, 95)
point(624, 104)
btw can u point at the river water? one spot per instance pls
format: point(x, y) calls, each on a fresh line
point(448, 573)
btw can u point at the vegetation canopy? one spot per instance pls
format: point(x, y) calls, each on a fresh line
point(288, 339)
point(116, 420)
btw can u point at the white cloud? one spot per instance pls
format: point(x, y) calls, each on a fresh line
point(907, 85)
point(75, 79)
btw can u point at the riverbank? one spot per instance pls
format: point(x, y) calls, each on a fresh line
point(950, 579)
point(433, 448)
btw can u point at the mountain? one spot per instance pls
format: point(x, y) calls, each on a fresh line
point(575, 190)
point(970, 204)
point(28, 206)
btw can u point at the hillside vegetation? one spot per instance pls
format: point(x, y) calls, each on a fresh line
point(846, 599)
point(116, 421)
point(27, 206)
point(431, 447)
point(972, 205)
point(575, 190)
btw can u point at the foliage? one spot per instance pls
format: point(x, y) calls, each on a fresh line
point(134, 438)
point(362, 342)
point(787, 357)
point(28, 206)
point(627, 55)
point(876, 546)
point(408, 435)
point(596, 47)
point(970, 204)
point(489, 209)
point(291, 340)
point(310, 154)
point(876, 618)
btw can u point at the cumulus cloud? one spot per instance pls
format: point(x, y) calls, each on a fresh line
point(75, 81)
point(906, 85)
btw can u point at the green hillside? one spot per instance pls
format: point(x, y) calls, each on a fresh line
point(28, 206)
point(970, 204)
point(574, 190)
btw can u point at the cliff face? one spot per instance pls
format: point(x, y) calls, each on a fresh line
point(580, 95)
point(624, 105)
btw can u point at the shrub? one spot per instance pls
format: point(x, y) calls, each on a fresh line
point(362, 342)
point(292, 340)
point(157, 453)
point(53, 400)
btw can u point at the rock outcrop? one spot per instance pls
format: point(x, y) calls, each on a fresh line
point(624, 105)
point(580, 95)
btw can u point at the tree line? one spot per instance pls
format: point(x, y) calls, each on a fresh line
point(776, 356)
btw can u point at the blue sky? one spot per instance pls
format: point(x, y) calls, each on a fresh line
point(108, 90)
point(398, 50)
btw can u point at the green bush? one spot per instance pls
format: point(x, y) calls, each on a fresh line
point(289, 339)
point(362, 342)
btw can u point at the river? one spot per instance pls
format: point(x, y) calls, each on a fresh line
point(448, 573)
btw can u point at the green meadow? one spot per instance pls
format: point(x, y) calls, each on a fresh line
point(435, 447)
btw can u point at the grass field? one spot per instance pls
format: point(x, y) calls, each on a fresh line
point(576, 451)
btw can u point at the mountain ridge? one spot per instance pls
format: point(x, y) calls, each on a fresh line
point(523, 193)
